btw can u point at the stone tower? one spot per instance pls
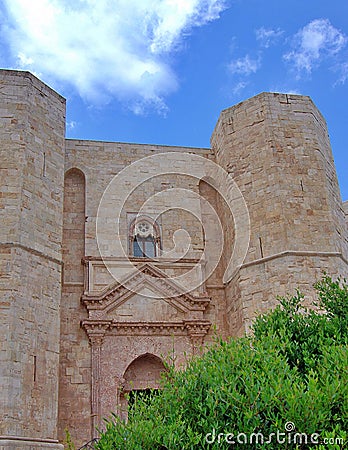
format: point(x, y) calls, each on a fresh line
point(32, 125)
point(276, 148)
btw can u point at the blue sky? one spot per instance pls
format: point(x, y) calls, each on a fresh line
point(160, 71)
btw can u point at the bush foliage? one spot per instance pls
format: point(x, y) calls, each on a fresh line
point(289, 377)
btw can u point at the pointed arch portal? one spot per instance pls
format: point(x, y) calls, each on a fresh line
point(141, 377)
point(143, 372)
point(126, 339)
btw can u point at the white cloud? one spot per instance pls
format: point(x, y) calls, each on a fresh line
point(239, 87)
point(106, 48)
point(316, 41)
point(342, 69)
point(244, 66)
point(267, 37)
point(24, 60)
point(71, 125)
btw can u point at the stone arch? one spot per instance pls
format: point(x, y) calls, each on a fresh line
point(209, 193)
point(144, 372)
point(76, 177)
point(71, 309)
point(74, 217)
point(142, 375)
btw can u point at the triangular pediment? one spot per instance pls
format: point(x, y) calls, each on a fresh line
point(149, 283)
point(144, 306)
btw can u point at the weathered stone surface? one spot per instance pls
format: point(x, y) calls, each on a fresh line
point(32, 124)
point(105, 324)
point(276, 148)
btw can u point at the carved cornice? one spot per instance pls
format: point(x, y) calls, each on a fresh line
point(135, 259)
point(198, 328)
point(97, 329)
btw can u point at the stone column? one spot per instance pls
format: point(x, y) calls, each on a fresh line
point(96, 341)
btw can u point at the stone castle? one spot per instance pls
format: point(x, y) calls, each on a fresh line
point(116, 257)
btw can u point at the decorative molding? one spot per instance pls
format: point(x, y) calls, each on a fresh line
point(96, 339)
point(98, 326)
point(95, 327)
point(146, 274)
point(97, 330)
point(92, 266)
point(197, 327)
point(159, 259)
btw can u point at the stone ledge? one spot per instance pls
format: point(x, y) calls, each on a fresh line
point(286, 253)
point(294, 253)
point(26, 443)
point(31, 250)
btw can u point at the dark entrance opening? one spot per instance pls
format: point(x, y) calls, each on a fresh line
point(143, 395)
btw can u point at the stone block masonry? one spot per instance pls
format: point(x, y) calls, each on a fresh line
point(32, 124)
point(276, 148)
point(84, 323)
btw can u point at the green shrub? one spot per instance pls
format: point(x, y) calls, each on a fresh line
point(292, 372)
point(68, 443)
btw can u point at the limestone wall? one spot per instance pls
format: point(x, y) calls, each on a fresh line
point(102, 161)
point(159, 198)
point(174, 210)
point(75, 357)
point(275, 147)
point(32, 122)
point(345, 209)
point(277, 150)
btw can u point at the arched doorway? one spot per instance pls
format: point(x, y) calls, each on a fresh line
point(141, 376)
